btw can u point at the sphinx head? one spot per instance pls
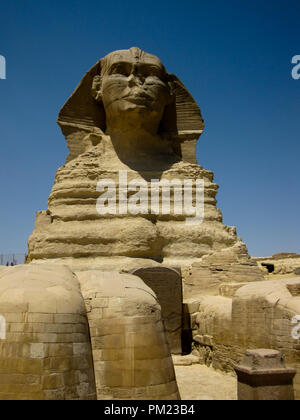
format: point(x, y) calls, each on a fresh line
point(133, 89)
point(126, 91)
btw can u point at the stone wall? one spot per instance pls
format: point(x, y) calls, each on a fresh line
point(283, 263)
point(259, 315)
point(166, 283)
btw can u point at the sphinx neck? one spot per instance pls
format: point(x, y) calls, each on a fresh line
point(137, 142)
point(141, 149)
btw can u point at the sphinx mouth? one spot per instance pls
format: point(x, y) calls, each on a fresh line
point(138, 95)
point(138, 99)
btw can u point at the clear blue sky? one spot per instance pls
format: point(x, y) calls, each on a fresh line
point(235, 58)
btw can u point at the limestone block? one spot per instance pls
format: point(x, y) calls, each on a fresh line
point(187, 360)
point(204, 340)
point(262, 375)
point(229, 265)
point(229, 289)
point(294, 287)
point(191, 305)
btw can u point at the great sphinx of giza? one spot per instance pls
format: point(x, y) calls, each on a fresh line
point(128, 114)
point(79, 320)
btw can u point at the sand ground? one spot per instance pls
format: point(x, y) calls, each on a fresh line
point(199, 382)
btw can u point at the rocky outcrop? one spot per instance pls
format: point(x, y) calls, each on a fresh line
point(72, 229)
point(283, 263)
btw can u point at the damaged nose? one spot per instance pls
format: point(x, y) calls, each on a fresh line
point(134, 80)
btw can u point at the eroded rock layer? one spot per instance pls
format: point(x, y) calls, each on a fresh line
point(72, 227)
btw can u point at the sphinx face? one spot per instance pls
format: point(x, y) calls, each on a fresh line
point(134, 85)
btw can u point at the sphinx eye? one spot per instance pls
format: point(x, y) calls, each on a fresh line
point(152, 71)
point(120, 69)
point(155, 72)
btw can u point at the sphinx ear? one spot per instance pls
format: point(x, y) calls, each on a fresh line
point(184, 113)
point(82, 114)
point(96, 89)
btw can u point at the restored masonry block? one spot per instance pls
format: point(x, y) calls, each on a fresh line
point(131, 355)
point(46, 325)
point(105, 340)
point(262, 375)
point(167, 285)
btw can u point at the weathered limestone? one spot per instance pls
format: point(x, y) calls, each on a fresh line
point(167, 285)
point(131, 355)
point(262, 376)
point(46, 352)
point(128, 114)
point(231, 265)
point(283, 263)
